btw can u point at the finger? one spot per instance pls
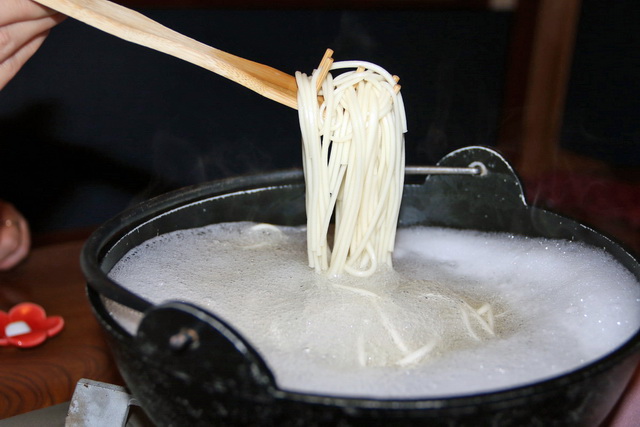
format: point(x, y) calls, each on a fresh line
point(15, 237)
point(13, 37)
point(10, 239)
point(10, 66)
point(15, 241)
point(13, 11)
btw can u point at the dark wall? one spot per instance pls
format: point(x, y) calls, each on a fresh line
point(602, 118)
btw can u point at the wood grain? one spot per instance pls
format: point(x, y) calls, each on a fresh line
point(135, 27)
point(46, 375)
point(540, 60)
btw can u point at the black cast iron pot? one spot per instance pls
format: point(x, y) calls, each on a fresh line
point(187, 367)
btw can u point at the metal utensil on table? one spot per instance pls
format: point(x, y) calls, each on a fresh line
point(137, 28)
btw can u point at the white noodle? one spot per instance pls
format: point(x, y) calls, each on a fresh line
point(353, 160)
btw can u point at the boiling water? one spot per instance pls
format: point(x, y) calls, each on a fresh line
point(462, 312)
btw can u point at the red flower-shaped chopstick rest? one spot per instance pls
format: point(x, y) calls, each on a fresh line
point(27, 325)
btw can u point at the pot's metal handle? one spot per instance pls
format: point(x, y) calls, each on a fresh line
point(201, 349)
point(472, 188)
point(499, 182)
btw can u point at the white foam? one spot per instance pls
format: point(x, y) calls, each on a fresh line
point(557, 306)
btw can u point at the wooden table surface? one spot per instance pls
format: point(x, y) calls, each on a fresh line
point(46, 375)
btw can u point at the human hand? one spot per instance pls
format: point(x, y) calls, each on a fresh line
point(23, 27)
point(15, 238)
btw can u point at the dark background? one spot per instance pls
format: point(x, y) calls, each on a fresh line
point(93, 124)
